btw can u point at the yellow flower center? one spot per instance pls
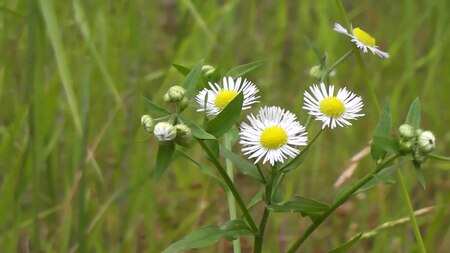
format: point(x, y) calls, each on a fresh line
point(224, 98)
point(273, 137)
point(364, 37)
point(332, 107)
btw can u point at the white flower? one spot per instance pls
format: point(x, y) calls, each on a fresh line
point(165, 131)
point(214, 100)
point(332, 110)
point(362, 39)
point(273, 134)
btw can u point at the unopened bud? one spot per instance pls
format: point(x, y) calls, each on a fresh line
point(418, 131)
point(183, 131)
point(184, 103)
point(318, 72)
point(174, 94)
point(148, 123)
point(208, 70)
point(419, 156)
point(406, 146)
point(426, 142)
point(165, 131)
point(406, 131)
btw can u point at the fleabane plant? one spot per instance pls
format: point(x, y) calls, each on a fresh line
point(273, 142)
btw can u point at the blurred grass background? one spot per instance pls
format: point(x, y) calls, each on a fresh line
point(74, 160)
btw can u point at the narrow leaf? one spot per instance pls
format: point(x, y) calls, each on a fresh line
point(183, 70)
point(226, 118)
point(346, 246)
point(413, 117)
point(208, 235)
point(163, 158)
point(197, 131)
point(242, 165)
point(383, 129)
point(385, 176)
point(244, 69)
point(193, 78)
point(419, 174)
point(155, 110)
point(213, 145)
point(305, 206)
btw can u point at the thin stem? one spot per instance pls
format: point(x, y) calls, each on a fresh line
point(262, 225)
point(411, 211)
point(339, 61)
point(338, 203)
point(231, 202)
point(230, 185)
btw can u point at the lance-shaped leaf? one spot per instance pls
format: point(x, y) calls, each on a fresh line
point(163, 158)
point(226, 118)
point(242, 165)
point(419, 174)
point(155, 110)
point(385, 176)
point(382, 134)
point(244, 69)
point(208, 235)
point(346, 246)
point(305, 206)
point(196, 130)
point(413, 117)
point(192, 79)
point(183, 70)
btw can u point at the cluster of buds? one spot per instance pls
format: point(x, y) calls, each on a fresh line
point(177, 94)
point(417, 142)
point(166, 131)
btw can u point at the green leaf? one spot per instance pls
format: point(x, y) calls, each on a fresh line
point(183, 70)
point(242, 165)
point(294, 163)
point(256, 199)
point(192, 79)
point(155, 110)
point(305, 206)
point(244, 69)
point(208, 235)
point(163, 158)
point(346, 246)
point(419, 174)
point(383, 144)
point(385, 176)
point(413, 117)
point(196, 130)
point(213, 145)
point(382, 131)
point(226, 118)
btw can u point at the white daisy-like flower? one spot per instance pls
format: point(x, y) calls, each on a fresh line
point(362, 39)
point(165, 131)
point(214, 100)
point(273, 135)
point(332, 110)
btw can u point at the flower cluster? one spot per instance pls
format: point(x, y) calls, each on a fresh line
point(417, 142)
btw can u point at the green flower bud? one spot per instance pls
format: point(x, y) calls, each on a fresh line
point(165, 131)
point(318, 72)
point(184, 103)
point(418, 131)
point(419, 156)
point(174, 94)
point(183, 131)
point(426, 142)
point(406, 131)
point(148, 123)
point(208, 70)
point(406, 146)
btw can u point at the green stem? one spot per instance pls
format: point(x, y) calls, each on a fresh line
point(339, 61)
point(262, 225)
point(411, 211)
point(230, 185)
point(231, 202)
point(338, 203)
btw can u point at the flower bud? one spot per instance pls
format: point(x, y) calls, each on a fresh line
point(419, 156)
point(183, 131)
point(406, 146)
point(148, 123)
point(406, 131)
point(426, 142)
point(165, 131)
point(318, 72)
point(208, 70)
point(174, 94)
point(184, 103)
point(418, 131)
